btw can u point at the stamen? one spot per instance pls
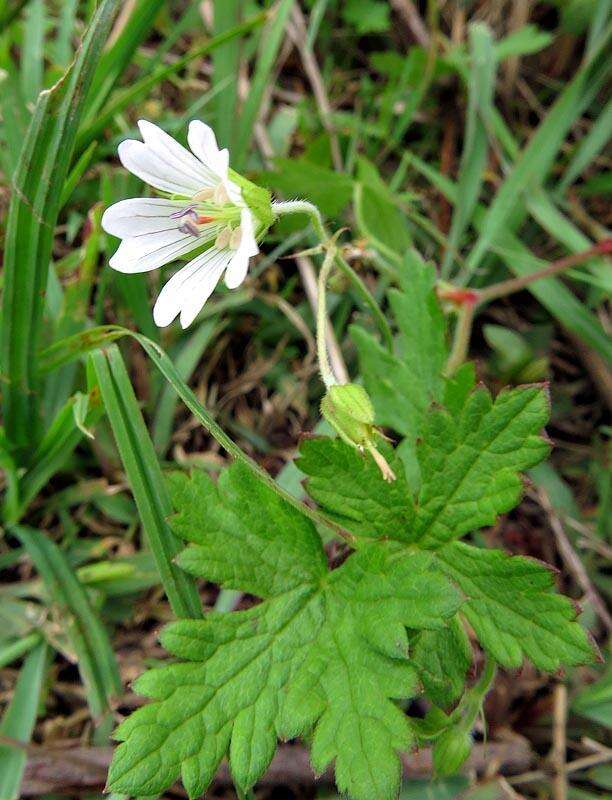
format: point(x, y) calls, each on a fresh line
point(182, 212)
point(223, 239)
point(235, 238)
point(220, 195)
point(204, 194)
point(189, 226)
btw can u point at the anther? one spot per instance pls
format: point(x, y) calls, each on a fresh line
point(223, 239)
point(235, 238)
point(189, 226)
point(220, 195)
point(204, 194)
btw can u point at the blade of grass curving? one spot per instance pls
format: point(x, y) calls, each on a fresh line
point(19, 718)
point(186, 360)
point(534, 163)
point(145, 477)
point(74, 346)
point(33, 213)
point(269, 45)
point(226, 63)
point(481, 85)
point(126, 97)
point(88, 636)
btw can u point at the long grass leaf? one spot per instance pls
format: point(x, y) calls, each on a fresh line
point(186, 361)
point(18, 720)
point(33, 213)
point(589, 147)
point(126, 97)
point(534, 163)
point(271, 38)
point(481, 84)
point(552, 294)
point(145, 477)
point(226, 61)
point(88, 636)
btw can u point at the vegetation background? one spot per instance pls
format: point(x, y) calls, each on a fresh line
point(474, 132)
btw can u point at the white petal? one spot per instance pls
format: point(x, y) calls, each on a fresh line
point(152, 250)
point(141, 215)
point(203, 144)
point(237, 270)
point(188, 168)
point(145, 164)
point(188, 290)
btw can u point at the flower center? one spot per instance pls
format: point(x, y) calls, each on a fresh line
point(211, 209)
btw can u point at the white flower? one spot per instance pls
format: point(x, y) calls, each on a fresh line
point(201, 208)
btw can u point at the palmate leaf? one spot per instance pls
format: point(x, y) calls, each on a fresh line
point(469, 464)
point(325, 652)
point(328, 652)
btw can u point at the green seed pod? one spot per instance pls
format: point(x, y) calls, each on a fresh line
point(451, 750)
point(348, 409)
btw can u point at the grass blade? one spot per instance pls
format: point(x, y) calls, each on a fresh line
point(186, 361)
point(145, 477)
point(481, 85)
point(554, 296)
point(536, 160)
point(18, 720)
point(88, 636)
point(226, 62)
point(33, 213)
point(140, 88)
point(269, 45)
point(32, 59)
point(590, 146)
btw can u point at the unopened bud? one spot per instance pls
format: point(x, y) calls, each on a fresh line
point(348, 409)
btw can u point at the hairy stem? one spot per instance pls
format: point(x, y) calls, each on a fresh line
point(516, 284)
point(304, 207)
point(327, 375)
point(461, 340)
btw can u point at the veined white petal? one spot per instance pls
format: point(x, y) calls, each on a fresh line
point(144, 253)
point(187, 168)
point(237, 269)
point(188, 289)
point(149, 167)
point(141, 215)
point(203, 144)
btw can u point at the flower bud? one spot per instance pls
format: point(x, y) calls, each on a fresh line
point(348, 409)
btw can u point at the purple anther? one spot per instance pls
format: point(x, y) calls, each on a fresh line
point(184, 211)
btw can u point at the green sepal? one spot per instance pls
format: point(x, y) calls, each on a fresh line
point(258, 199)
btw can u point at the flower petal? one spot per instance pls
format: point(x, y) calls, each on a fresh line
point(237, 269)
point(147, 165)
point(203, 144)
point(189, 288)
point(152, 250)
point(189, 169)
point(140, 216)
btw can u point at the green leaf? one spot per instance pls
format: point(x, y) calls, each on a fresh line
point(350, 487)
point(403, 385)
point(470, 462)
point(330, 191)
point(233, 541)
point(324, 654)
point(514, 610)
point(366, 17)
point(443, 657)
